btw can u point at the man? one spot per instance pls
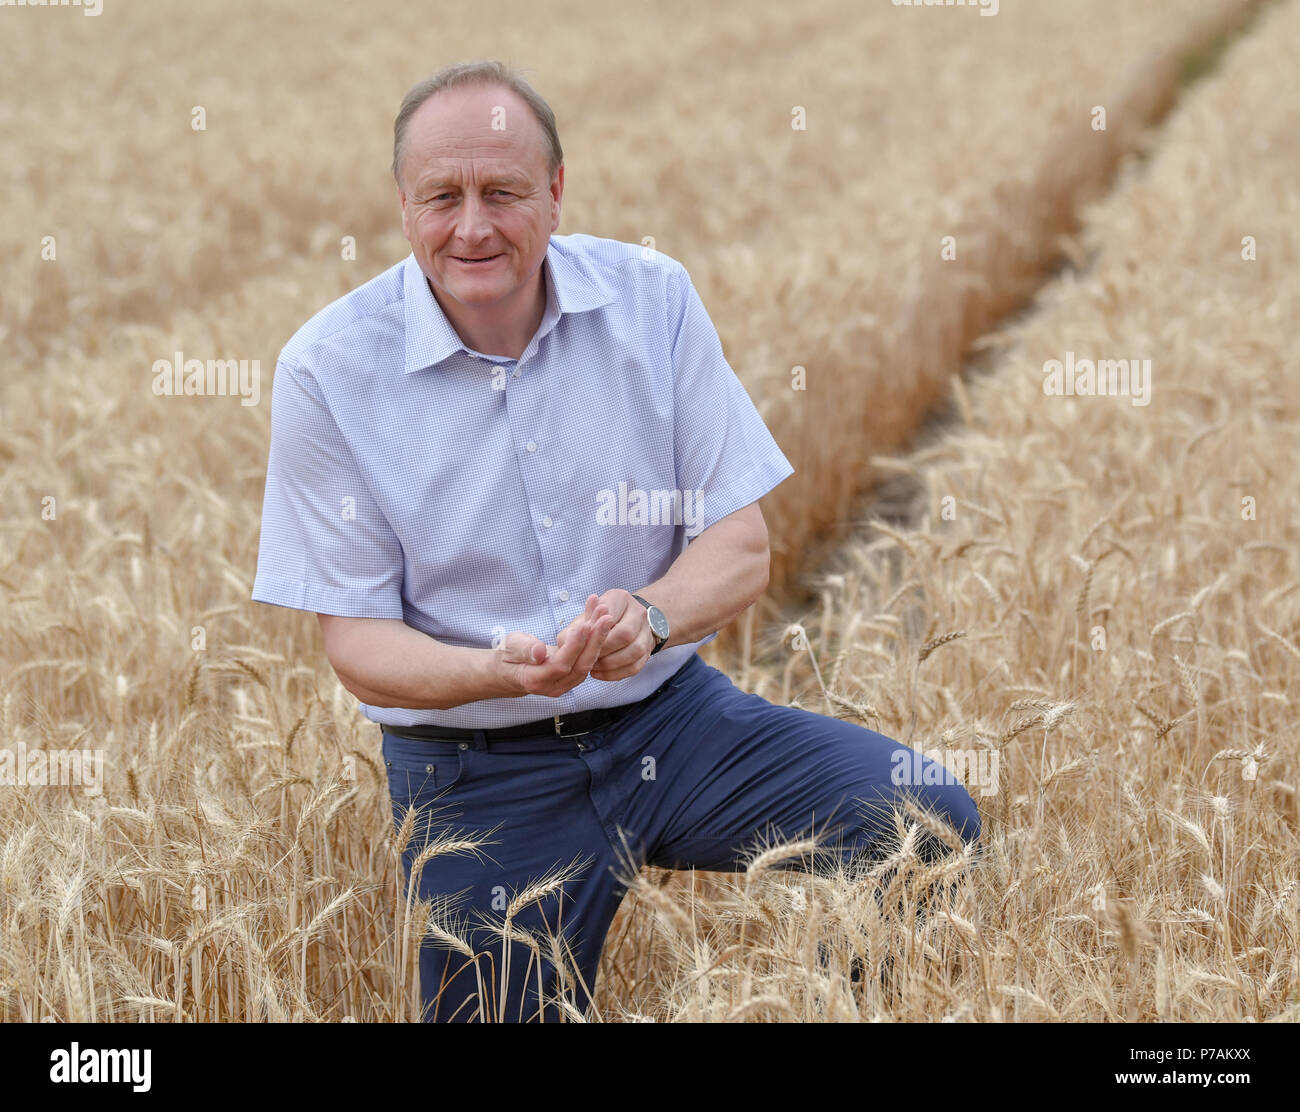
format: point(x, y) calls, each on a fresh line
point(518, 482)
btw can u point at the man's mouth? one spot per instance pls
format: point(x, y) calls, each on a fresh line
point(479, 261)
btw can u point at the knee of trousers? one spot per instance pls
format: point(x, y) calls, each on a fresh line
point(954, 804)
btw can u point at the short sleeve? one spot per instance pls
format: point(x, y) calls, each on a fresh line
point(724, 451)
point(326, 545)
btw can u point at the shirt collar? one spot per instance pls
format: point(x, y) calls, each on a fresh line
point(430, 337)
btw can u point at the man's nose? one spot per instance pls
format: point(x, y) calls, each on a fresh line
point(473, 222)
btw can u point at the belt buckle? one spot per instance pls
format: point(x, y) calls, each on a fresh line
point(561, 733)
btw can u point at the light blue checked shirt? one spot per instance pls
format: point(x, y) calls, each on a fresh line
point(471, 495)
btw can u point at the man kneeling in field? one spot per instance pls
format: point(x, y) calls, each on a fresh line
point(447, 441)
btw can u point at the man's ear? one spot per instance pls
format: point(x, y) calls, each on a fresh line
point(557, 195)
point(401, 200)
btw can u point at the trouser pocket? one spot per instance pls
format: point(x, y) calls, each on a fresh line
point(421, 772)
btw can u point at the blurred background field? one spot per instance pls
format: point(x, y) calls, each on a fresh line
point(242, 769)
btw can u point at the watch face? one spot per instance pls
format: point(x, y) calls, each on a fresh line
point(658, 623)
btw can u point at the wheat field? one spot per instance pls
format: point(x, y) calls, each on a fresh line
point(239, 860)
point(1109, 602)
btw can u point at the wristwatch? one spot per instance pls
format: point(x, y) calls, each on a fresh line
point(658, 623)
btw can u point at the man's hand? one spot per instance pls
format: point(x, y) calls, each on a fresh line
point(630, 641)
point(533, 667)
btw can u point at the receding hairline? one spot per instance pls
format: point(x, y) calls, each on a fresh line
point(484, 75)
point(510, 171)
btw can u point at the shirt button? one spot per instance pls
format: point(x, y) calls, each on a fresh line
point(547, 522)
point(532, 445)
point(564, 596)
point(516, 372)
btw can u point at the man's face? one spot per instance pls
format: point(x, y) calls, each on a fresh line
point(471, 191)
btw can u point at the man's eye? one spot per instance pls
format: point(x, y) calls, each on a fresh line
point(442, 196)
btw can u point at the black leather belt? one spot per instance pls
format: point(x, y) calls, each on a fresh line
point(560, 725)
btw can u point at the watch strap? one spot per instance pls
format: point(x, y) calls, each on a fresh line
point(660, 642)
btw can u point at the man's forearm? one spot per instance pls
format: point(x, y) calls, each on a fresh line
point(720, 573)
point(386, 663)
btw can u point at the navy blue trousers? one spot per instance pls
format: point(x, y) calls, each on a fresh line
point(701, 777)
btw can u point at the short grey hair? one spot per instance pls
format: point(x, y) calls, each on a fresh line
point(477, 73)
